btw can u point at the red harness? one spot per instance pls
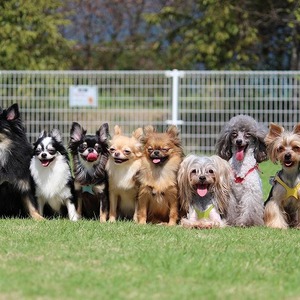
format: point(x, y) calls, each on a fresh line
point(241, 179)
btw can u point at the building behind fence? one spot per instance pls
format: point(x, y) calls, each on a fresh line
point(198, 102)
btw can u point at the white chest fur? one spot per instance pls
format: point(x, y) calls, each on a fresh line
point(51, 181)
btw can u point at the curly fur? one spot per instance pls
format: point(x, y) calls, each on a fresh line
point(241, 142)
point(282, 210)
point(211, 175)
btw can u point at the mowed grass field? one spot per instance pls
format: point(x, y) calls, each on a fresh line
point(60, 259)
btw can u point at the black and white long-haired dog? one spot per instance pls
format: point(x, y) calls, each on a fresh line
point(16, 196)
point(241, 142)
point(89, 155)
point(51, 172)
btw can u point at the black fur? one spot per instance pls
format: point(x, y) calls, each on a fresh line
point(98, 204)
point(16, 195)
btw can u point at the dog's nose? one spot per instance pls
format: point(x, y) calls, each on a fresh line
point(91, 150)
point(44, 155)
point(239, 142)
point(156, 152)
point(202, 178)
point(287, 156)
point(117, 154)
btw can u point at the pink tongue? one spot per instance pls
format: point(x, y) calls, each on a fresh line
point(202, 190)
point(156, 161)
point(240, 154)
point(45, 163)
point(92, 157)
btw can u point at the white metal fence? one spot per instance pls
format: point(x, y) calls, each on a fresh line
point(199, 102)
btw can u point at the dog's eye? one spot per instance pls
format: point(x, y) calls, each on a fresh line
point(165, 149)
point(127, 152)
point(211, 171)
point(234, 134)
point(112, 149)
point(280, 149)
point(84, 145)
point(150, 149)
point(247, 135)
point(194, 171)
point(37, 151)
point(296, 148)
point(96, 147)
point(51, 151)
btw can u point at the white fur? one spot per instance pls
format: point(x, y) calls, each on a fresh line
point(51, 185)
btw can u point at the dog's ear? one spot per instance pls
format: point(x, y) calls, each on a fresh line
point(149, 129)
point(223, 146)
point(77, 132)
point(172, 131)
point(43, 134)
point(183, 175)
point(260, 152)
point(117, 130)
point(138, 133)
point(296, 129)
point(103, 133)
point(275, 131)
point(55, 133)
point(12, 112)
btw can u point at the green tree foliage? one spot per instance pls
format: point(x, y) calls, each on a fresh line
point(30, 35)
point(229, 34)
point(143, 34)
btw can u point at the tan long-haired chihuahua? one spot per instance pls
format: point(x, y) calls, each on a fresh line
point(123, 166)
point(158, 192)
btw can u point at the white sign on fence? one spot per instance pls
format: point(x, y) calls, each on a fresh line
point(83, 95)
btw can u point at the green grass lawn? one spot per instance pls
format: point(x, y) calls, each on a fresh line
point(60, 259)
point(267, 169)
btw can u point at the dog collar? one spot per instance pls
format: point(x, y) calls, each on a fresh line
point(204, 214)
point(241, 179)
point(290, 192)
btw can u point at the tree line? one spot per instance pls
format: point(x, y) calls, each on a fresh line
point(150, 34)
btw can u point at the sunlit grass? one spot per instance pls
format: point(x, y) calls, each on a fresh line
point(59, 259)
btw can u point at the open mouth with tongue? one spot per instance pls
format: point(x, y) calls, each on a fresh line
point(158, 160)
point(239, 155)
point(46, 162)
point(202, 189)
point(91, 157)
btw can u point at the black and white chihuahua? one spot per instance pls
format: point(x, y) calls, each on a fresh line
point(51, 172)
point(90, 154)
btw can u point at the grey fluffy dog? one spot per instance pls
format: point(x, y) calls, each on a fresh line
point(241, 142)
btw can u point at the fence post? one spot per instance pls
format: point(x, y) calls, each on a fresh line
point(175, 74)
